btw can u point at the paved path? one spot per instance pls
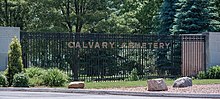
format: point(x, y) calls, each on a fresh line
point(53, 95)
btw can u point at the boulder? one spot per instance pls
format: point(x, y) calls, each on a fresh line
point(76, 85)
point(183, 82)
point(156, 85)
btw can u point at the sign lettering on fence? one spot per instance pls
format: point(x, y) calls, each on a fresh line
point(154, 45)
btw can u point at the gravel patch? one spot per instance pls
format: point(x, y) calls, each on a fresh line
point(195, 89)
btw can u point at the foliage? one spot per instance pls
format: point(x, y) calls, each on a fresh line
point(134, 75)
point(3, 80)
point(34, 72)
point(14, 60)
point(122, 18)
point(214, 72)
point(34, 82)
point(118, 24)
point(194, 16)
point(167, 15)
point(214, 23)
point(201, 75)
point(167, 12)
point(54, 78)
point(216, 4)
point(14, 13)
point(126, 16)
point(35, 75)
point(20, 80)
point(148, 17)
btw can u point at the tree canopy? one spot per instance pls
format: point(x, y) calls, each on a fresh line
point(110, 16)
point(195, 16)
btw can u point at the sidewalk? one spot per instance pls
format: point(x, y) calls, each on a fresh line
point(104, 92)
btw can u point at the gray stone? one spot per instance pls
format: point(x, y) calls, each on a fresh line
point(76, 85)
point(183, 82)
point(6, 35)
point(156, 85)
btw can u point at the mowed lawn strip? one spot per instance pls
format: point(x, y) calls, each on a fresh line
point(118, 84)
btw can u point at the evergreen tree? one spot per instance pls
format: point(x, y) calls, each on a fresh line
point(14, 60)
point(214, 23)
point(167, 14)
point(195, 16)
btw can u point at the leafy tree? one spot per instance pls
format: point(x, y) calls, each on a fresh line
point(122, 18)
point(14, 13)
point(44, 17)
point(14, 60)
point(118, 24)
point(77, 14)
point(148, 17)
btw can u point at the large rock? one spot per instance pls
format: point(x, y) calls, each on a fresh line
point(76, 85)
point(156, 85)
point(183, 82)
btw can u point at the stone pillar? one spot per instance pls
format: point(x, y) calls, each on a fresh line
point(6, 35)
point(212, 49)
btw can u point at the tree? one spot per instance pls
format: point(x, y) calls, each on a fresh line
point(167, 14)
point(118, 24)
point(216, 4)
point(166, 17)
point(14, 13)
point(122, 18)
point(15, 64)
point(148, 17)
point(194, 16)
point(214, 20)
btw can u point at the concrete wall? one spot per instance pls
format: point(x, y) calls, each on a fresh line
point(213, 49)
point(6, 35)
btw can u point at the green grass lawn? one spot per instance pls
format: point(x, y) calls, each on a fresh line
point(117, 84)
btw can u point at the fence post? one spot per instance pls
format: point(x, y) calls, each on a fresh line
point(76, 58)
point(205, 39)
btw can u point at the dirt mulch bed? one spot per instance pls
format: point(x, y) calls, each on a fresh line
point(202, 89)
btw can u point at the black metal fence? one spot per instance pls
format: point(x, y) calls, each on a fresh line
point(100, 57)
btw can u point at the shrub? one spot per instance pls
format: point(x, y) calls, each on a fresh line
point(14, 60)
point(201, 75)
point(3, 80)
point(55, 78)
point(134, 75)
point(20, 80)
point(34, 72)
point(35, 75)
point(214, 72)
point(36, 81)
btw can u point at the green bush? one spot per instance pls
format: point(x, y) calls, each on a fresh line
point(134, 75)
point(3, 80)
point(36, 81)
point(35, 75)
point(14, 60)
point(55, 78)
point(214, 72)
point(20, 80)
point(202, 75)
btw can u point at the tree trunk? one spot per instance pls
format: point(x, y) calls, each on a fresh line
point(68, 16)
point(6, 12)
